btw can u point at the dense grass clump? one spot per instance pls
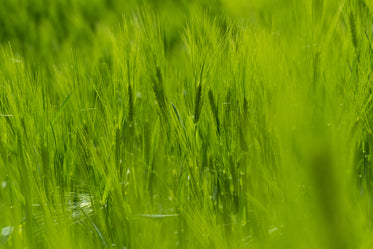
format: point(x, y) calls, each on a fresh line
point(186, 124)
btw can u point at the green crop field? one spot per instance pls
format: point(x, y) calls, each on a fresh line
point(186, 124)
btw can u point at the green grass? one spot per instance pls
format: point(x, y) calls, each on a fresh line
point(186, 124)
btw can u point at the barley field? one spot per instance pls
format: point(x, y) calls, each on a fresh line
point(207, 124)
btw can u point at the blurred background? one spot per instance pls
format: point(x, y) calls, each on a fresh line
point(39, 28)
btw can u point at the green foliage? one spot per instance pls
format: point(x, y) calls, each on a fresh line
point(186, 124)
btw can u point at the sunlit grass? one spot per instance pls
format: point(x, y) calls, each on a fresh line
point(201, 126)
